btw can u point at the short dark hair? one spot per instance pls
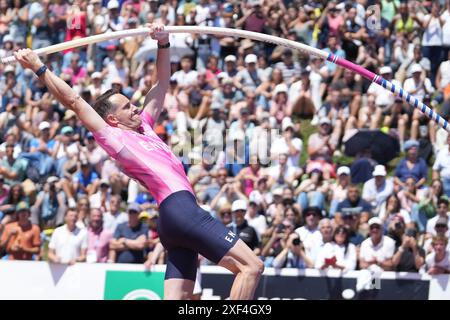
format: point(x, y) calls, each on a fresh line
point(103, 105)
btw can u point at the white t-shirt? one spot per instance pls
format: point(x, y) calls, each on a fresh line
point(433, 33)
point(428, 247)
point(67, 244)
point(185, 79)
point(110, 222)
point(310, 239)
point(332, 249)
point(280, 146)
point(431, 262)
point(432, 223)
point(381, 252)
point(290, 171)
point(258, 223)
point(446, 29)
point(410, 85)
point(442, 163)
point(382, 96)
point(445, 73)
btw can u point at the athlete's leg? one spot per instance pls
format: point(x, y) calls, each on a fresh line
point(180, 274)
point(247, 267)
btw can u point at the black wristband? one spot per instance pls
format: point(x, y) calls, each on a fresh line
point(41, 70)
point(164, 46)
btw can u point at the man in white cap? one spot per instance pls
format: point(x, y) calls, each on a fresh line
point(378, 249)
point(250, 77)
point(378, 189)
point(230, 66)
point(417, 85)
point(383, 97)
point(287, 144)
point(241, 227)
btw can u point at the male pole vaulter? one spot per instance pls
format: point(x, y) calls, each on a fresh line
point(128, 137)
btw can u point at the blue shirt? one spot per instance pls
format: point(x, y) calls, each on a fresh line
point(85, 181)
point(418, 172)
point(34, 143)
point(339, 52)
point(346, 207)
point(123, 230)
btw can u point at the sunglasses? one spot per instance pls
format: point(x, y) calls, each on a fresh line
point(441, 226)
point(375, 227)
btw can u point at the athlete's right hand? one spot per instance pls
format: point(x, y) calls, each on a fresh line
point(28, 59)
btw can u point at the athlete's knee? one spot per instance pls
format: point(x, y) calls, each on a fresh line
point(254, 269)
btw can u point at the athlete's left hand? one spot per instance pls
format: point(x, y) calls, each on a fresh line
point(158, 33)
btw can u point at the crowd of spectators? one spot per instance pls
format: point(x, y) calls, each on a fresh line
point(292, 197)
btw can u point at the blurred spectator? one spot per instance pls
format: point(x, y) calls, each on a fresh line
point(98, 239)
point(50, 207)
point(310, 234)
point(339, 189)
point(354, 204)
point(129, 239)
point(12, 168)
point(241, 227)
point(8, 205)
point(438, 261)
point(441, 167)
point(293, 254)
point(21, 240)
point(378, 189)
point(409, 257)
point(393, 209)
point(256, 220)
point(326, 231)
point(351, 221)
point(378, 249)
point(441, 228)
point(313, 190)
point(102, 197)
point(410, 197)
point(288, 144)
point(441, 212)
point(114, 217)
point(411, 166)
point(68, 243)
point(83, 210)
point(339, 253)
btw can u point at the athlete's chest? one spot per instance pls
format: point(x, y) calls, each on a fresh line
point(146, 140)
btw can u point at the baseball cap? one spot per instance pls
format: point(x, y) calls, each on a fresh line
point(117, 80)
point(379, 170)
point(134, 207)
point(66, 129)
point(255, 197)
point(385, 70)
point(231, 58)
point(281, 87)
point(251, 58)
point(239, 205)
point(44, 125)
point(416, 68)
point(22, 206)
point(96, 75)
point(52, 179)
point(277, 192)
point(324, 120)
point(9, 68)
point(113, 4)
point(104, 182)
point(8, 38)
point(148, 214)
point(315, 210)
point(286, 123)
point(69, 114)
point(441, 221)
point(375, 220)
point(411, 143)
point(244, 111)
point(343, 170)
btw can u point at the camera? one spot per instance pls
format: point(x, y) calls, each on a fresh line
point(280, 228)
point(296, 241)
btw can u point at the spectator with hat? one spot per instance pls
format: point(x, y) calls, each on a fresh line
point(441, 227)
point(240, 225)
point(50, 207)
point(128, 245)
point(383, 98)
point(255, 219)
point(21, 239)
point(68, 244)
point(338, 190)
point(310, 234)
point(12, 168)
point(66, 150)
point(411, 166)
point(251, 76)
point(290, 69)
point(442, 211)
point(378, 249)
point(378, 189)
point(417, 85)
point(102, 197)
point(288, 143)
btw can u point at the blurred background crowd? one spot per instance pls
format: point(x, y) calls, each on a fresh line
point(355, 178)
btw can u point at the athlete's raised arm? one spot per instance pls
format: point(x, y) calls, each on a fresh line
point(154, 100)
point(61, 90)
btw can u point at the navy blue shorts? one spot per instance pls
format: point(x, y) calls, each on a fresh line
point(185, 230)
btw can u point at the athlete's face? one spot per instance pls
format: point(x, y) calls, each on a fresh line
point(125, 113)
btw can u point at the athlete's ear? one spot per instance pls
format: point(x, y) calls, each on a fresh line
point(112, 120)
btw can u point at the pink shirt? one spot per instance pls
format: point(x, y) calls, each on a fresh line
point(145, 158)
point(99, 243)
